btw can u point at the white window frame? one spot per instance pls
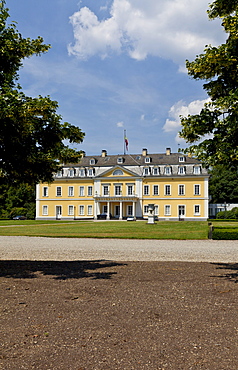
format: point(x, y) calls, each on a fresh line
point(147, 159)
point(197, 192)
point(155, 189)
point(92, 161)
point(90, 191)
point(182, 207)
point(197, 170)
point(181, 170)
point(119, 160)
point(71, 172)
point(146, 209)
point(45, 191)
point(81, 210)
point(90, 210)
point(146, 189)
point(156, 171)
point(45, 210)
point(199, 210)
point(117, 189)
point(70, 191)
point(167, 190)
point(82, 172)
point(90, 172)
point(59, 173)
point(156, 210)
point(106, 190)
point(130, 189)
point(181, 186)
point(167, 210)
point(81, 191)
point(167, 170)
point(71, 210)
point(59, 191)
point(146, 171)
point(181, 159)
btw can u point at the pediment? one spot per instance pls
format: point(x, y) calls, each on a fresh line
point(118, 172)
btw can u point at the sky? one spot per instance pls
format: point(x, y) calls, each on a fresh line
point(117, 65)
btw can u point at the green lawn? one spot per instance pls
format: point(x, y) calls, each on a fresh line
point(107, 229)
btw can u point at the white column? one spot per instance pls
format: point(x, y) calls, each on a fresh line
point(134, 209)
point(120, 218)
point(108, 210)
point(37, 201)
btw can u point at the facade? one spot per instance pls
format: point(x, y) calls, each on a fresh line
point(122, 186)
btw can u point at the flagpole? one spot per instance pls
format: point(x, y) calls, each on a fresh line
point(124, 142)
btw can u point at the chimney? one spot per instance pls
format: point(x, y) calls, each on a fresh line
point(144, 152)
point(168, 151)
point(83, 153)
point(104, 153)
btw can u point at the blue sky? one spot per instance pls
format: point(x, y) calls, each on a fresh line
point(118, 65)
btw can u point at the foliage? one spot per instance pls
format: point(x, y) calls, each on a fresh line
point(17, 199)
point(217, 121)
point(232, 214)
point(223, 185)
point(32, 137)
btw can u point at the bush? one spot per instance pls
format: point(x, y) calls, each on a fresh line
point(225, 234)
point(232, 214)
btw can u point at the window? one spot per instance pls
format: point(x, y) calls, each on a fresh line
point(167, 190)
point(146, 189)
point(196, 189)
point(90, 191)
point(167, 210)
point(90, 210)
point(181, 190)
point(71, 210)
point(117, 189)
point(117, 173)
point(82, 172)
point(71, 191)
point(181, 210)
point(58, 191)
point(71, 172)
point(156, 210)
point(59, 173)
point(196, 170)
point(81, 191)
point(146, 171)
point(119, 160)
point(181, 159)
point(147, 159)
point(155, 171)
point(167, 170)
point(197, 209)
point(130, 210)
point(156, 189)
point(81, 210)
point(181, 170)
point(104, 209)
point(45, 191)
point(90, 172)
point(92, 161)
point(105, 190)
point(129, 189)
point(45, 210)
point(146, 210)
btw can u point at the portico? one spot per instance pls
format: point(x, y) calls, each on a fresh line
point(118, 206)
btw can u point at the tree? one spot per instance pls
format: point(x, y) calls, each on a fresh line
point(218, 119)
point(32, 135)
point(223, 185)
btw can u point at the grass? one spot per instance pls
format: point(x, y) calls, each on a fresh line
point(114, 229)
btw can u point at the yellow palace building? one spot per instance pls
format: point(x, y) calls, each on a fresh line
point(122, 187)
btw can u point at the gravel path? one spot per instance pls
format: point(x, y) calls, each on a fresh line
point(71, 249)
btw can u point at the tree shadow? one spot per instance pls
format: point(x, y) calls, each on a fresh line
point(233, 276)
point(60, 270)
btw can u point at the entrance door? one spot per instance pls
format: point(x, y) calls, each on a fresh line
point(181, 211)
point(58, 212)
point(117, 211)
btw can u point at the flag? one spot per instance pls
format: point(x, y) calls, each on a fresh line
point(126, 142)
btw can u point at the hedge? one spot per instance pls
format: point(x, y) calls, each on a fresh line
point(225, 234)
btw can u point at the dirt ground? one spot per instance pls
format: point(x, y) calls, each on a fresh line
point(95, 315)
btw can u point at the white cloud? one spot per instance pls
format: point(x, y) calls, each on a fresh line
point(120, 124)
point(169, 29)
point(180, 109)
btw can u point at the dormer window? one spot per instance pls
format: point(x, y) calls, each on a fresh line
point(59, 173)
point(119, 160)
point(197, 170)
point(90, 172)
point(71, 172)
point(182, 159)
point(147, 159)
point(92, 161)
point(82, 172)
point(167, 170)
point(155, 171)
point(181, 170)
point(146, 171)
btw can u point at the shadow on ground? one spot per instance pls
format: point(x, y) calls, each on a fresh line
point(228, 266)
point(61, 270)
